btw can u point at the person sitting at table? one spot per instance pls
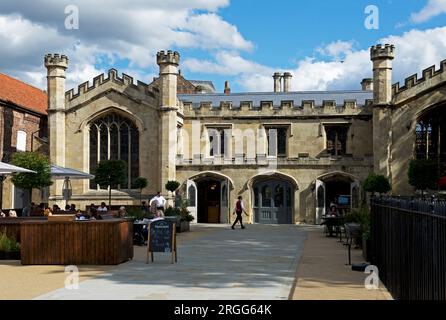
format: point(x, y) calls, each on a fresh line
point(94, 214)
point(56, 208)
point(103, 208)
point(73, 207)
point(82, 215)
point(67, 207)
point(122, 212)
point(333, 212)
point(48, 212)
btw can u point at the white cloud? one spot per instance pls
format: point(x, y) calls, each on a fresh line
point(432, 9)
point(132, 31)
point(415, 51)
point(337, 50)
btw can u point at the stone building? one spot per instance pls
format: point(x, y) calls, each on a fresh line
point(23, 127)
point(289, 154)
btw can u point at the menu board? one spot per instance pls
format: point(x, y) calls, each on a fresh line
point(161, 236)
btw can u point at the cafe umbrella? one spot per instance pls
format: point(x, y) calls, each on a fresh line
point(8, 169)
point(68, 174)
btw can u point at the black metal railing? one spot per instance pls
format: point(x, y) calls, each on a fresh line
point(409, 246)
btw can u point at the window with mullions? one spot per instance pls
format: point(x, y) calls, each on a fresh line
point(277, 141)
point(336, 139)
point(113, 137)
point(217, 141)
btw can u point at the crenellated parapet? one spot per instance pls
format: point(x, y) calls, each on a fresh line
point(56, 60)
point(169, 57)
point(101, 80)
point(430, 77)
point(382, 52)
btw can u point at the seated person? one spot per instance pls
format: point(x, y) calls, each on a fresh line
point(2, 214)
point(56, 208)
point(82, 215)
point(48, 212)
point(39, 211)
point(94, 214)
point(122, 212)
point(73, 208)
point(103, 208)
point(333, 212)
point(67, 207)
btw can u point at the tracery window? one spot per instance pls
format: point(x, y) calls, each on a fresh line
point(336, 139)
point(114, 137)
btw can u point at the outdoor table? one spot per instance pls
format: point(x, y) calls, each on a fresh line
point(332, 222)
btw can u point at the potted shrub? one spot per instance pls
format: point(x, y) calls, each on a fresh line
point(9, 248)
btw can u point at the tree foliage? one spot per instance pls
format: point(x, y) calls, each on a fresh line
point(140, 183)
point(376, 183)
point(110, 173)
point(423, 174)
point(172, 185)
point(33, 161)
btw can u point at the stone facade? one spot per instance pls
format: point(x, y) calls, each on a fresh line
point(221, 146)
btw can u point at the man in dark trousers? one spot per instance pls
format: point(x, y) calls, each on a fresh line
point(239, 209)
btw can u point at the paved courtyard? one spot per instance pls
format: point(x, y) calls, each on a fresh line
point(214, 262)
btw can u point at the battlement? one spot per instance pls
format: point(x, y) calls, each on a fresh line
point(382, 52)
point(56, 60)
point(413, 81)
point(168, 58)
point(99, 80)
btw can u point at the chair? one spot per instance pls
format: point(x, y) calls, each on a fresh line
point(352, 232)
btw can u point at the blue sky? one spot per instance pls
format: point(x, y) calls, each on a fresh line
point(243, 41)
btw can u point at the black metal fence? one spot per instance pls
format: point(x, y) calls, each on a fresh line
point(409, 246)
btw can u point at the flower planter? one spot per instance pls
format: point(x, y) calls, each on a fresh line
point(184, 226)
point(9, 255)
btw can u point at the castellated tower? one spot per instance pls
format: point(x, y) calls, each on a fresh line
point(382, 57)
point(56, 66)
point(168, 63)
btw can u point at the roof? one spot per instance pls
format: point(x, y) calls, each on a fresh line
point(22, 94)
point(208, 86)
point(360, 96)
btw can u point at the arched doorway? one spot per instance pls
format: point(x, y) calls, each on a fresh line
point(430, 143)
point(339, 188)
point(208, 197)
point(273, 201)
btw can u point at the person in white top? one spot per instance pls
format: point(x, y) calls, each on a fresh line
point(103, 207)
point(159, 202)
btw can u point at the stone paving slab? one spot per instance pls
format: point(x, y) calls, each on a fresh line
point(257, 263)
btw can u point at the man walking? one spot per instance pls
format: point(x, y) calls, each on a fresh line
point(239, 209)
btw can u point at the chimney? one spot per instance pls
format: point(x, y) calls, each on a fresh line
point(227, 88)
point(367, 84)
point(277, 81)
point(286, 81)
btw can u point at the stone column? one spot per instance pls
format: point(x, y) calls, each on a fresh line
point(382, 57)
point(168, 63)
point(56, 66)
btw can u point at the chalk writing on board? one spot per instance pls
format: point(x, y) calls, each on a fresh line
point(161, 232)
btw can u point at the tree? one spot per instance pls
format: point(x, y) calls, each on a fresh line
point(376, 183)
point(140, 183)
point(423, 174)
point(110, 173)
point(172, 185)
point(33, 161)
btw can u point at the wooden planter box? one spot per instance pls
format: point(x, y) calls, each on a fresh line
point(100, 242)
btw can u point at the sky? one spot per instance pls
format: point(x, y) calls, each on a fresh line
point(324, 44)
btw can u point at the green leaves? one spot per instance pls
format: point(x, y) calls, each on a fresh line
point(172, 185)
point(33, 161)
point(423, 174)
point(140, 183)
point(111, 173)
point(376, 183)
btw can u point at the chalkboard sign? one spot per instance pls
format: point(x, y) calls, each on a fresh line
point(162, 238)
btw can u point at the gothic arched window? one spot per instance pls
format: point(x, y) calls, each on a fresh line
point(113, 137)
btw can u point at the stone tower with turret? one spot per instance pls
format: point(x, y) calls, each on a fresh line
point(382, 57)
point(56, 66)
point(168, 63)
